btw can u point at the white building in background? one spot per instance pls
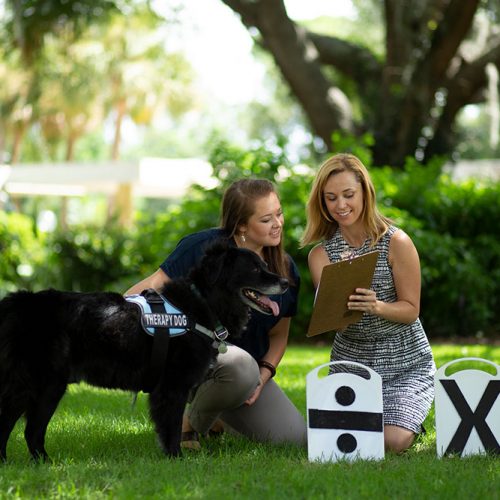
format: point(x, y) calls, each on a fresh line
point(121, 182)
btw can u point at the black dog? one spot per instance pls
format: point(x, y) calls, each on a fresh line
point(51, 338)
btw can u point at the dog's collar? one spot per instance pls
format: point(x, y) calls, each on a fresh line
point(219, 335)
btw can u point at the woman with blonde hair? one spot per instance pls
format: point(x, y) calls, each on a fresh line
point(239, 393)
point(343, 216)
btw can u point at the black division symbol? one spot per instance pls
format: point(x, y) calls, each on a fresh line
point(345, 420)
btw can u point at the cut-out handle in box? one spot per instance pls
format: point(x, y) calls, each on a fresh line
point(442, 369)
point(371, 373)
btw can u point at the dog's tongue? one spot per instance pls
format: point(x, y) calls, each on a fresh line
point(271, 304)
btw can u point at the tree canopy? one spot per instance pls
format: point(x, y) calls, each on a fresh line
point(409, 97)
point(405, 88)
point(67, 66)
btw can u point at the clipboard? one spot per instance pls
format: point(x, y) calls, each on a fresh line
point(338, 281)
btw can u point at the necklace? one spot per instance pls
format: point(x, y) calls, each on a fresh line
point(348, 254)
point(351, 251)
point(355, 240)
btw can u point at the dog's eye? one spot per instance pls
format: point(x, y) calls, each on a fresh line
point(258, 266)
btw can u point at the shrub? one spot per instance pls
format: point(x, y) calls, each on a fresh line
point(454, 226)
point(20, 249)
point(88, 258)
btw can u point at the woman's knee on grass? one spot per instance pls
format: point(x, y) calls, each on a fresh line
point(397, 439)
point(232, 381)
point(239, 370)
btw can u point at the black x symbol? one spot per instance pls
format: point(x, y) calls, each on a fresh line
point(472, 419)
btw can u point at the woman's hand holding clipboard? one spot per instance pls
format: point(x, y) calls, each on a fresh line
point(339, 281)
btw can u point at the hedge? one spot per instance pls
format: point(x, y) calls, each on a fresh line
point(455, 227)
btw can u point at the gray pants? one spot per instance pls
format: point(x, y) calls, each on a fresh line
point(234, 378)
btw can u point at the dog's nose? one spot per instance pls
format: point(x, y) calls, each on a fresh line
point(283, 283)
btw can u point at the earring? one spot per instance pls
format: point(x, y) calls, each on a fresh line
point(243, 239)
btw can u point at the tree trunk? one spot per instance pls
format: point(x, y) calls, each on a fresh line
point(63, 214)
point(120, 203)
point(121, 108)
point(397, 96)
point(466, 87)
point(326, 106)
point(70, 146)
point(16, 143)
point(3, 143)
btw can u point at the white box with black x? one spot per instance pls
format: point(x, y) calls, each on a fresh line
point(467, 408)
point(344, 413)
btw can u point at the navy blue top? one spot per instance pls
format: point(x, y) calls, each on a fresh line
point(255, 340)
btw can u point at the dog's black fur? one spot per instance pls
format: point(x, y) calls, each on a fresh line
point(52, 338)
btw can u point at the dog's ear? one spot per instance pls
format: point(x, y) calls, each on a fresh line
point(214, 268)
point(218, 245)
point(215, 260)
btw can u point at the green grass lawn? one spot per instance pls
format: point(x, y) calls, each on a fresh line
point(102, 447)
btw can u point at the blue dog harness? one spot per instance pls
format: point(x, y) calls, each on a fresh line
point(166, 316)
point(162, 320)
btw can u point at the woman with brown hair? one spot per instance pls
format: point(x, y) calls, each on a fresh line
point(342, 214)
point(239, 392)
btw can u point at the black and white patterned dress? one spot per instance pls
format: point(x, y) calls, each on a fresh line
point(399, 353)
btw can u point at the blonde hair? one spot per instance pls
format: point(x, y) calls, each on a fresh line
point(238, 205)
point(320, 225)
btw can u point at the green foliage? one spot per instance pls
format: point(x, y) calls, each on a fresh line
point(232, 162)
point(33, 19)
point(466, 209)
point(20, 251)
point(88, 258)
point(358, 146)
point(454, 226)
point(459, 295)
point(155, 235)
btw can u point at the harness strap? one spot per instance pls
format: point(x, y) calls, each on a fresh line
point(161, 340)
point(162, 334)
point(219, 335)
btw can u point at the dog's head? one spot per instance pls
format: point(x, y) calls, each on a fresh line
point(229, 271)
